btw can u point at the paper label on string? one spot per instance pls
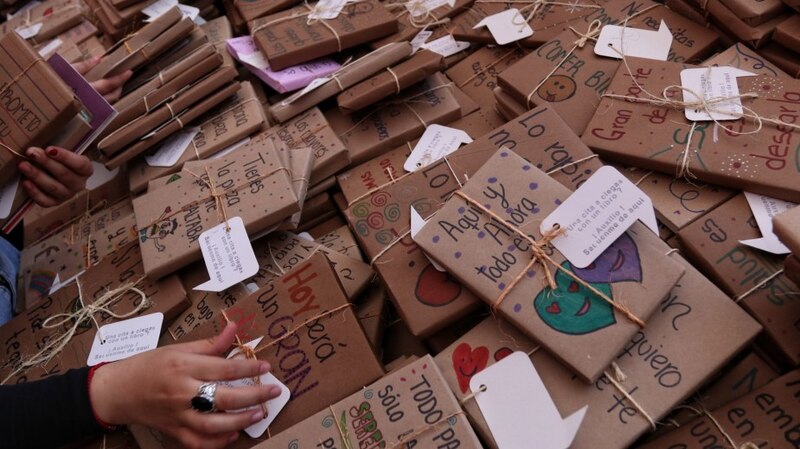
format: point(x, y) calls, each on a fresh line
point(504, 393)
point(274, 406)
point(171, 150)
point(417, 222)
point(420, 39)
point(597, 214)
point(58, 285)
point(228, 255)
point(713, 83)
point(446, 46)
point(100, 175)
point(189, 11)
point(27, 32)
point(50, 47)
point(436, 142)
point(421, 7)
point(327, 9)
point(255, 59)
point(123, 339)
point(615, 41)
point(764, 210)
point(8, 192)
point(506, 26)
point(311, 86)
point(251, 287)
point(306, 235)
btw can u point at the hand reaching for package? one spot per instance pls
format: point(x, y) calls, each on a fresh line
point(54, 176)
point(110, 88)
point(156, 388)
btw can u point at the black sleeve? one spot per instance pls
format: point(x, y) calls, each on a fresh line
point(48, 413)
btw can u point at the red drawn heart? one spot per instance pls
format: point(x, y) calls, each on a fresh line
point(435, 288)
point(502, 353)
point(468, 362)
point(553, 308)
point(573, 287)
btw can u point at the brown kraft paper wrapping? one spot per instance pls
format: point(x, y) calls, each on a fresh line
point(400, 119)
point(506, 105)
point(311, 337)
point(677, 202)
point(410, 407)
point(55, 17)
point(427, 299)
point(787, 33)
point(747, 274)
point(787, 227)
point(391, 81)
point(347, 76)
point(228, 123)
point(26, 335)
point(660, 370)
point(289, 38)
point(521, 195)
point(253, 9)
point(251, 184)
point(752, 13)
point(371, 311)
point(787, 60)
point(655, 137)
point(767, 417)
point(477, 74)
point(34, 102)
point(755, 36)
point(340, 240)
point(742, 57)
point(575, 88)
point(277, 253)
point(792, 269)
point(409, 26)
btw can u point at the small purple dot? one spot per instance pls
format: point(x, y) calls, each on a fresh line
point(511, 247)
point(558, 202)
point(517, 307)
point(531, 273)
point(504, 154)
point(483, 268)
point(481, 235)
point(492, 180)
point(458, 254)
point(501, 286)
point(509, 210)
point(488, 206)
point(461, 210)
point(533, 186)
point(535, 210)
point(526, 167)
point(435, 239)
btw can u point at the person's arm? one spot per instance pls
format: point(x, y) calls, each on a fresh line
point(154, 389)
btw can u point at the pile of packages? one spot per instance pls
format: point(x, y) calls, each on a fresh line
point(445, 223)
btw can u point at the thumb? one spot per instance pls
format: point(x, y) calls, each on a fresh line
point(83, 67)
point(215, 345)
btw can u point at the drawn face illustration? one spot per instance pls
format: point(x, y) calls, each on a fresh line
point(435, 288)
point(572, 308)
point(619, 263)
point(557, 88)
point(468, 362)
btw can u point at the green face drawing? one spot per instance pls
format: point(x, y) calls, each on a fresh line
point(572, 308)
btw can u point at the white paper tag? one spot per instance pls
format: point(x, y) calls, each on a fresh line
point(420, 39)
point(7, 193)
point(306, 235)
point(446, 46)
point(58, 285)
point(615, 41)
point(327, 9)
point(51, 47)
point(417, 222)
point(126, 338)
point(100, 176)
point(157, 8)
point(29, 31)
point(436, 142)
point(274, 406)
point(713, 83)
point(228, 255)
point(597, 214)
point(764, 209)
point(255, 59)
point(506, 26)
point(421, 7)
point(251, 287)
point(518, 408)
point(172, 148)
point(189, 11)
point(311, 86)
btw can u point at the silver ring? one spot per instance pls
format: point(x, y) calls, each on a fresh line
point(204, 401)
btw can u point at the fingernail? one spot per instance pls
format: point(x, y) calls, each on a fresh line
point(258, 416)
point(276, 391)
point(52, 151)
point(264, 367)
point(31, 152)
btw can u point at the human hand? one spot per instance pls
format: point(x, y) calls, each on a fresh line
point(155, 389)
point(110, 88)
point(54, 176)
